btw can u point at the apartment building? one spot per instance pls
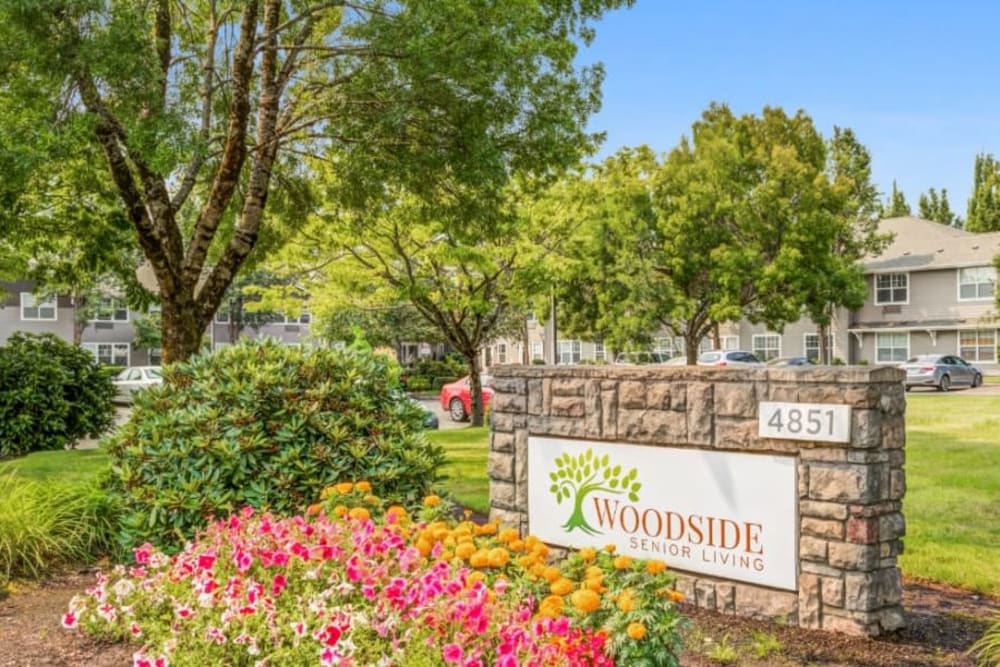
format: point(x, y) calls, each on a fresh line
point(932, 290)
point(109, 333)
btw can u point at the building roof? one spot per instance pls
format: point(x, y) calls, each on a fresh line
point(923, 245)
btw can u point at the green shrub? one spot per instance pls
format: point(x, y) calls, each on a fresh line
point(268, 426)
point(418, 383)
point(45, 526)
point(987, 649)
point(51, 394)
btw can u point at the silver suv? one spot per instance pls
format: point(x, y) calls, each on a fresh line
point(729, 358)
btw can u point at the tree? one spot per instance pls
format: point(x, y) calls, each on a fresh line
point(463, 276)
point(937, 208)
point(896, 206)
point(722, 229)
point(837, 278)
point(390, 325)
point(210, 114)
point(983, 214)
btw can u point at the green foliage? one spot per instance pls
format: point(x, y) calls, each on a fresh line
point(723, 652)
point(896, 206)
point(764, 644)
point(433, 373)
point(51, 394)
point(987, 649)
point(936, 207)
point(264, 425)
point(46, 525)
point(983, 213)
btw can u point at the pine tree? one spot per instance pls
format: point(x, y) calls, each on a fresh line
point(897, 206)
point(984, 205)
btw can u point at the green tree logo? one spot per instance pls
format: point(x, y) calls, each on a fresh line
point(577, 477)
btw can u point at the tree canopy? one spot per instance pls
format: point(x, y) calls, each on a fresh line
point(983, 213)
point(731, 224)
point(937, 208)
point(209, 116)
point(896, 206)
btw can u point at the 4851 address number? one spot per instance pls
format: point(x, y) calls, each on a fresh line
point(805, 421)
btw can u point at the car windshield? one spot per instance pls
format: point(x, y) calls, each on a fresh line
point(154, 373)
point(924, 359)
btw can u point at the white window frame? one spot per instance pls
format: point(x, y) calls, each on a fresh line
point(829, 342)
point(28, 301)
point(501, 353)
point(978, 358)
point(537, 350)
point(600, 354)
point(991, 280)
point(762, 356)
point(891, 288)
point(111, 307)
point(573, 353)
point(729, 342)
point(222, 316)
point(95, 350)
point(879, 347)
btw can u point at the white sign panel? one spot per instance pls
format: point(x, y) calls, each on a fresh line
point(827, 422)
point(718, 513)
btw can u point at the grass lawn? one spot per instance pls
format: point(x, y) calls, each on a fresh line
point(466, 451)
point(76, 465)
point(952, 502)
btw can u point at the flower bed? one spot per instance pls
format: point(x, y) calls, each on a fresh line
point(353, 583)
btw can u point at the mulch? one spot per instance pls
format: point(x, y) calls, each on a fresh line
point(942, 624)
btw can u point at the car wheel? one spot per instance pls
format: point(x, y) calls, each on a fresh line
point(945, 383)
point(977, 380)
point(456, 410)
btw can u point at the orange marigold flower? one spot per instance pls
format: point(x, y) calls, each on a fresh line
point(593, 571)
point(313, 509)
point(655, 566)
point(552, 574)
point(507, 535)
point(675, 596)
point(561, 587)
point(465, 550)
point(398, 510)
point(595, 584)
point(623, 562)
point(344, 487)
point(626, 601)
point(473, 577)
point(498, 557)
point(585, 600)
point(610, 548)
point(486, 529)
point(359, 513)
point(636, 630)
point(588, 554)
point(432, 501)
point(340, 510)
point(424, 546)
point(516, 545)
point(480, 559)
point(551, 606)
point(363, 487)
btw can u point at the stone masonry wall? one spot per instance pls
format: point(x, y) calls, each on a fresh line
point(850, 494)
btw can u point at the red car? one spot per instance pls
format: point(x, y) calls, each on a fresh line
point(456, 398)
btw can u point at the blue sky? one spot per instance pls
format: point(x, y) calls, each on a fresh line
point(919, 82)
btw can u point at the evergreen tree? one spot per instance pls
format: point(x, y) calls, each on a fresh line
point(897, 206)
point(937, 208)
point(984, 205)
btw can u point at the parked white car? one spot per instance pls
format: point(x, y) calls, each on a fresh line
point(729, 358)
point(134, 378)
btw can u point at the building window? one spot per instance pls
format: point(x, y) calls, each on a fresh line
point(978, 345)
point(892, 348)
point(32, 309)
point(569, 352)
point(730, 342)
point(222, 316)
point(536, 351)
point(502, 353)
point(599, 353)
point(977, 283)
point(767, 346)
point(812, 347)
point(892, 288)
point(155, 356)
point(111, 309)
point(113, 354)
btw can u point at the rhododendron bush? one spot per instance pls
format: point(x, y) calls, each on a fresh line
point(353, 583)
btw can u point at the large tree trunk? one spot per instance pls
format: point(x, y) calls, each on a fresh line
point(79, 317)
point(475, 388)
point(824, 349)
point(691, 341)
point(182, 327)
